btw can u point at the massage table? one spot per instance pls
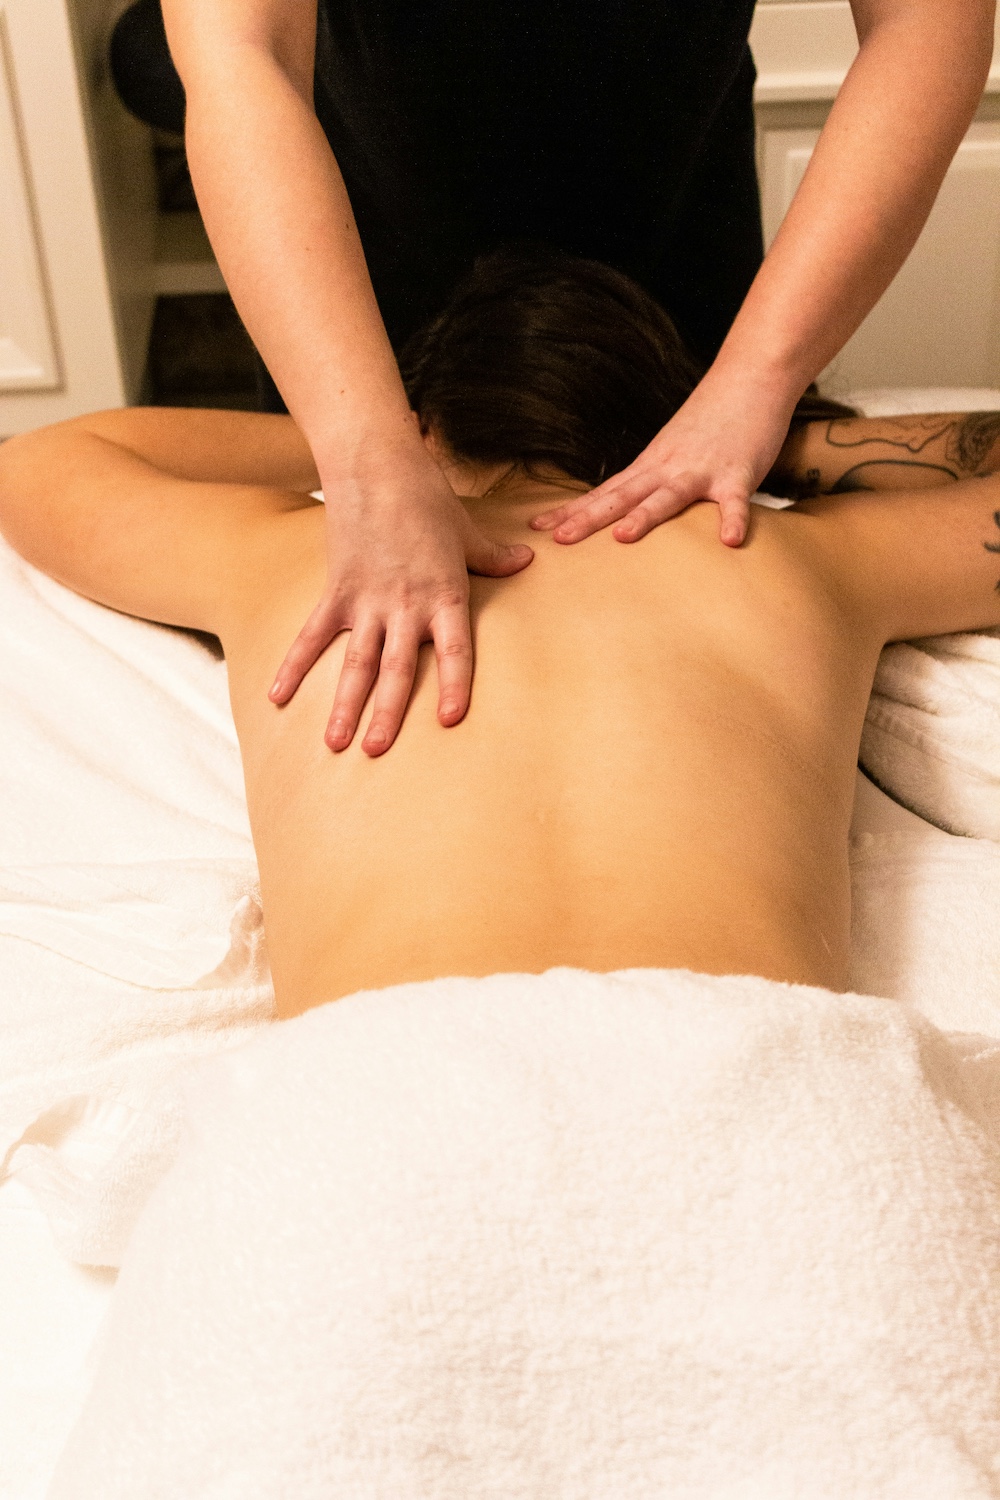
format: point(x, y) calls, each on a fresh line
point(132, 946)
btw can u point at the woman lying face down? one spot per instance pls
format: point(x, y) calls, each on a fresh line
point(689, 809)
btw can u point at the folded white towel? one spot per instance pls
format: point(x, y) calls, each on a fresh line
point(563, 1237)
point(932, 732)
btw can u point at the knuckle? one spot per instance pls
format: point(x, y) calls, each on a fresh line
point(660, 507)
point(453, 597)
point(312, 632)
point(359, 658)
point(454, 649)
point(397, 663)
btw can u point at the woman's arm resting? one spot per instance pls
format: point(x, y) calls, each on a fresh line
point(278, 215)
point(886, 453)
point(227, 447)
point(165, 515)
point(872, 179)
point(916, 562)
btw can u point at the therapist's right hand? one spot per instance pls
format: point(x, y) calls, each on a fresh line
point(400, 547)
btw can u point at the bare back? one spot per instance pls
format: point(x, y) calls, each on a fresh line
point(658, 764)
point(657, 770)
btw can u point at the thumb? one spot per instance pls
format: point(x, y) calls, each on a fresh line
point(495, 559)
point(734, 521)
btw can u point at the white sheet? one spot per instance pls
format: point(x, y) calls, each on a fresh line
point(925, 915)
point(117, 748)
point(119, 765)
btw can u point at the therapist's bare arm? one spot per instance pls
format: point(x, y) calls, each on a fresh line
point(893, 129)
point(279, 219)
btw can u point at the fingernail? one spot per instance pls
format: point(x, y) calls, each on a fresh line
point(447, 709)
point(275, 688)
point(375, 737)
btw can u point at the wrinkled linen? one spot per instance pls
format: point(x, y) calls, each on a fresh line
point(925, 915)
point(121, 781)
point(564, 1236)
point(131, 935)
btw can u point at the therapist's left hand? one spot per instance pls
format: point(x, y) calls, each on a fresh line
point(718, 446)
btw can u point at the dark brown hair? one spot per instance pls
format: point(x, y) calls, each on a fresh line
point(548, 359)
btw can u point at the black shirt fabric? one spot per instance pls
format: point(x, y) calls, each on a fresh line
point(617, 129)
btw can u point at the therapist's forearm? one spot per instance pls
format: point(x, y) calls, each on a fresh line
point(280, 221)
point(894, 128)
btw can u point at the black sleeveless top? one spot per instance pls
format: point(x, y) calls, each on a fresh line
point(619, 129)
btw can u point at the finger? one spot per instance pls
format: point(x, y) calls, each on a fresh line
point(453, 649)
point(396, 672)
point(605, 508)
point(734, 521)
point(548, 520)
point(648, 514)
point(359, 670)
point(308, 646)
point(495, 559)
point(665, 501)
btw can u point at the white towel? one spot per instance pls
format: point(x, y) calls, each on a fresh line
point(932, 732)
point(567, 1237)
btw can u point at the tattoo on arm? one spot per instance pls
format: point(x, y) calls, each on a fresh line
point(864, 476)
point(972, 439)
point(892, 453)
point(911, 433)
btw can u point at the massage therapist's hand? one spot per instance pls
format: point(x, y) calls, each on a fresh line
point(718, 446)
point(400, 547)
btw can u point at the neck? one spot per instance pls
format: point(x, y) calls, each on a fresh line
point(508, 484)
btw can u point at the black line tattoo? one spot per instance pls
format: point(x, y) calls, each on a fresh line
point(972, 439)
point(994, 546)
point(900, 452)
point(911, 433)
point(854, 479)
